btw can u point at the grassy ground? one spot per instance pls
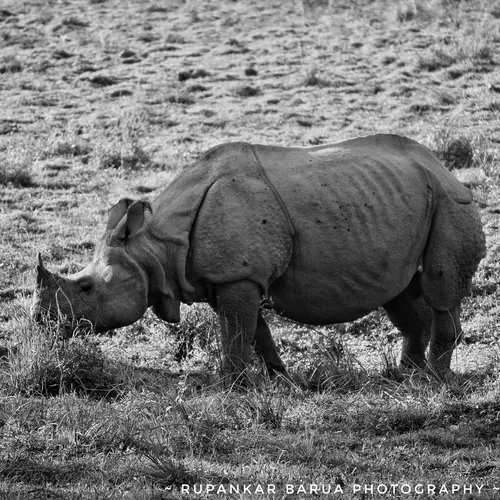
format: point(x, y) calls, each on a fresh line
point(107, 98)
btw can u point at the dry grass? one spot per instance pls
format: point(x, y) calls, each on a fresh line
point(39, 363)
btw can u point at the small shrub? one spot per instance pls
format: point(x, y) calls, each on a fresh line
point(166, 471)
point(454, 152)
point(391, 369)
point(445, 98)
point(68, 149)
point(495, 11)
point(313, 80)
point(197, 88)
point(199, 424)
point(18, 176)
point(420, 108)
point(10, 64)
point(126, 152)
point(194, 15)
point(134, 159)
point(484, 53)
point(437, 59)
point(267, 407)
point(400, 421)
point(180, 99)
point(335, 377)
point(158, 8)
point(197, 330)
point(192, 73)
point(475, 48)
point(333, 369)
point(247, 91)
point(175, 38)
point(17, 156)
point(230, 20)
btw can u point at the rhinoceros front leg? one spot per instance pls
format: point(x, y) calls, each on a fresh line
point(445, 336)
point(237, 308)
point(242, 327)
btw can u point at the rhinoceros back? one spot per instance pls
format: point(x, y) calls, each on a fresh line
point(362, 212)
point(410, 149)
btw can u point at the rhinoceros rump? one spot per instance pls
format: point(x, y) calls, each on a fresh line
point(328, 233)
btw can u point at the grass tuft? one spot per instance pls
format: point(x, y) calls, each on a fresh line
point(10, 64)
point(40, 363)
point(454, 152)
point(69, 149)
point(266, 406)
point(313, 80)
point(16, 160)
point(414, 10)
point(166, 471)
point(435, 60)
point(196, 333)
point(335, 371)
point(247, 91)
point(17, 176)
point(473, 50)
point(134, 158)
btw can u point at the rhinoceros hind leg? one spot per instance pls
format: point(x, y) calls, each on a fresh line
point(413, 317)
point(446, 334)
point(265, 348)
point(454, 249)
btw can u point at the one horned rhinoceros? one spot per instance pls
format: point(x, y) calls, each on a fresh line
point(328, 233)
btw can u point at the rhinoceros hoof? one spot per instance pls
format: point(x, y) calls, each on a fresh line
point(410, 363)
point(441, 374)
point(410, 370)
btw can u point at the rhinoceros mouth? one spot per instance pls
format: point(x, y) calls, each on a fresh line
point(61, 324)
point(42, 315)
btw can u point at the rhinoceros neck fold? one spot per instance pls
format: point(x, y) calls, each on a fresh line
point(175, 209)
point(160, 259)
point(278, 197)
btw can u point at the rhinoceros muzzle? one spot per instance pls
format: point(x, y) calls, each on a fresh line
point(59, 299)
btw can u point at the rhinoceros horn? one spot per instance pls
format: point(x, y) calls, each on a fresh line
point(41, 273)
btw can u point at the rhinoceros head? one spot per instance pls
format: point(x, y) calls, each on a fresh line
point(116, 288)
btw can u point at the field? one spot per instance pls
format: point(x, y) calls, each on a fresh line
point(103, 99)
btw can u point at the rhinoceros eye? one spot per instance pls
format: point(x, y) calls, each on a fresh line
point(86, 286)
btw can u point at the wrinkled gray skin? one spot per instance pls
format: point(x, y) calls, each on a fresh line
point(328, 233)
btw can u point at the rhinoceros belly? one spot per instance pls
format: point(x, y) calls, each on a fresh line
point(361, 223)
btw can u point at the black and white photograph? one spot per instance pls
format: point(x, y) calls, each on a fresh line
point(248, 249)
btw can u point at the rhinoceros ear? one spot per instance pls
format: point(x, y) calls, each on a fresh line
point(132, 222)
point(42, 275)
point(117, 211)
